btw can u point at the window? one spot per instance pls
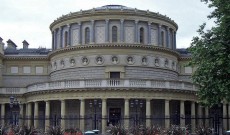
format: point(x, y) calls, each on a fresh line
point(162, 38)
point(26, 70)
point(115, 75)
point(188, 70)
point(65, 38)
point(14, 70)
point(141, 35)
point(39, 70)
point(114, 34)
point(87, 35)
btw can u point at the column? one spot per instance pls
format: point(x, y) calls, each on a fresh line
point(126, 120)
point(172, 44)
point(3, 114)
point(29, 114)
point(159, 35)
point(174, 41)
point(225, 116)
point(92, 32)
point(167, 116)
point(193, 112)
point(60, 30)
point(122, 31)
point(82, 114)
point(63, 110)
point(206, 117)
point(104, 116)
point(47, 115)
point(199, 111)
point(69, 35)
point(21, 115)
point(107, 30)
point(149, 33)
point(136, 39)
point(148, 113)
point(79, 33)
point(229, 115)
point(53, 40)
point(167, 37)
point(36, 114)
point(182, 114)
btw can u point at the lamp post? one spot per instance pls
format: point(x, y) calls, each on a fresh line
point(94, 105)
point(14, 106)
point(136, 104)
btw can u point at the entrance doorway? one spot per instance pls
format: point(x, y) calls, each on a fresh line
point(114, 116)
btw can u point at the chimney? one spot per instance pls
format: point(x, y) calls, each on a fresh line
point(25, 44)
point(11, 44)
point(1, 45)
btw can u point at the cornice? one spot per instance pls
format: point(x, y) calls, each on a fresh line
point(87, 13)
point(18, 57)
point(112, 46)
point(185, 58)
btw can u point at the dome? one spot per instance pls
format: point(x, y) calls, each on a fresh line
point(113, 7)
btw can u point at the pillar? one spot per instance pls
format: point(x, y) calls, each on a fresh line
point(167, 116)
point(69, 34)
point(104, 116)
point(167, 37)
point(228, 115)
point(174, 40)
point(148, 113)
point(159, 35)
point(92, 32)
point(182, 114)
point(206, 117)
point(126, 120)
point(82, 114)
point(63, 113)
point(3, 114)
point(29, 114)
point(136, 39)
point(199, 111)
point(53, 40)
point(21, 122)
point(224, 116)
point(36, 114)
point(122, 30)
point(47, 115)
point(172, 43)
point(60, 30)
point(149, 33)
point(79, 33)
point(193, 121)
point(107, 30)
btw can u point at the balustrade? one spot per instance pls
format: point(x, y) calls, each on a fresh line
point(103, 83)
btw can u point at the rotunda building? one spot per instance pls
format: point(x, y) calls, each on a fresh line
point(111, 65)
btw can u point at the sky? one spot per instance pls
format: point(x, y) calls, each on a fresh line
point(30, 19)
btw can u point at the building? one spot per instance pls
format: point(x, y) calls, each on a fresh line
point(108, 65)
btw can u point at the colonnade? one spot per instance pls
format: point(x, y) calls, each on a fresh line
point(170, 41)
point(198, 114)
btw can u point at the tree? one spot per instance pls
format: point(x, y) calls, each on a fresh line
point(211, 55)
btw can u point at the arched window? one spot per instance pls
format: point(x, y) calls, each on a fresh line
point(87, 35)
point(141, 35)
point(114, 34)
point(162, 38)
point(65, 39)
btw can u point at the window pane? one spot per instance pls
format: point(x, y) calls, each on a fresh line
point(114, 34)
point(87, 35)
point(141, 35)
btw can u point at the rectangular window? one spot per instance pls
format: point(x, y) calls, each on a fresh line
point(26, 70)
point(39, 70)
point(115, 75)
point(188, 70)
point(14, 70)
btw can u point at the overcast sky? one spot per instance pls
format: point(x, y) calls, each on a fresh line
point(30, 19)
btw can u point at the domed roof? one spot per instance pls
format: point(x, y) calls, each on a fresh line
point(112, 7)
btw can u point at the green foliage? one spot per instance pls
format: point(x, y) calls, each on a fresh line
point(211, 55)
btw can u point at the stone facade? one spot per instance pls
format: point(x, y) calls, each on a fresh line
point(108, 65)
